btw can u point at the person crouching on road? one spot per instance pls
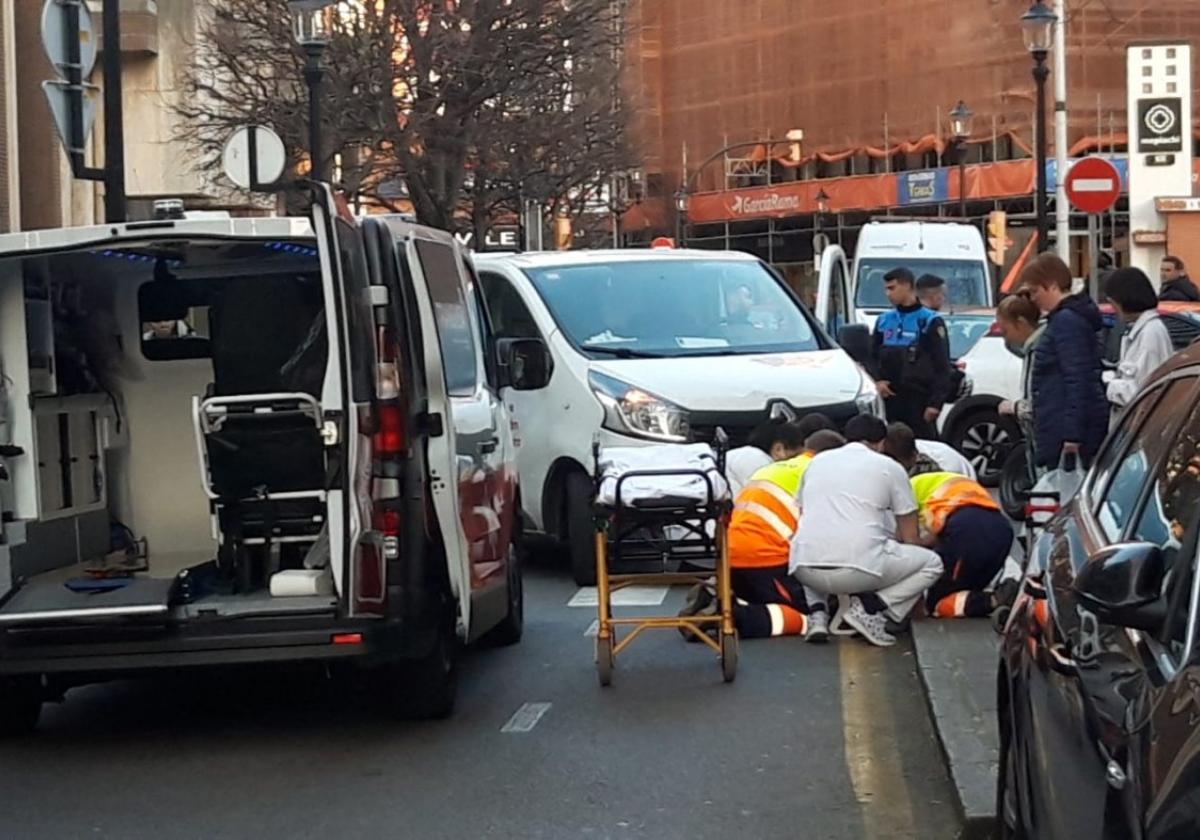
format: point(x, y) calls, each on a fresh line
point(774, 443)
point(972, 536)
point(769, 601)
point(858, 536)
point(775, 440)
point(924, 456)
point(911, 357)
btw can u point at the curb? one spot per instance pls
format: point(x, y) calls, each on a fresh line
point(977, 823)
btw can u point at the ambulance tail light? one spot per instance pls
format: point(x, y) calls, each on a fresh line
point(390, 438)
point(391, 434)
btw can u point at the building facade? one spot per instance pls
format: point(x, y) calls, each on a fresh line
point(37, 190)
point(870, 85)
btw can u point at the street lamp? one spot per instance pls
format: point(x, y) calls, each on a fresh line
point(1037, 25)
point(312, 26)
point(822, 199)
point(681, 208)
point(960, 127)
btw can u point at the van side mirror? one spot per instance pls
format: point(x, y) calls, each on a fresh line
point(1122, 584)
point(525, 363)
point(856, 341)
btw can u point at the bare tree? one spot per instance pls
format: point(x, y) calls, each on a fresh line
point(557, 147)
point(429, 92)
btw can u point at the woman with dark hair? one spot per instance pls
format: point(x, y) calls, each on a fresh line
point(1146, 344)
point(1070, 411)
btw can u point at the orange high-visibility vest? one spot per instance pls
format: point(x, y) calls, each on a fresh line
point(941, 494)
point(766, 514)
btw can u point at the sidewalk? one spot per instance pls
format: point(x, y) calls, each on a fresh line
point(957, 660)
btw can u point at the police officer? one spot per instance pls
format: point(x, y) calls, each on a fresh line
point(911, 357)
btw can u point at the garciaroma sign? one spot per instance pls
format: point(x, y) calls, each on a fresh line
point(863, 191)
point(766, 205)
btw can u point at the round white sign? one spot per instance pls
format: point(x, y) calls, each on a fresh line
point(270, 157)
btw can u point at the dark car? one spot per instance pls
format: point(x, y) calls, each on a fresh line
point(1099, 677)
point(1014, 479)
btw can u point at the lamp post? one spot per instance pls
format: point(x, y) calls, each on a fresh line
point(960, 127)
point(312, 26)
point(681, 208)
point(1037, 25)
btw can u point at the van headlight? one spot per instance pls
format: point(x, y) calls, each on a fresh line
point(632, 411)
point(868, 400)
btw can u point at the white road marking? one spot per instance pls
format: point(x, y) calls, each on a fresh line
point(526, 717)
point(593, 629)
point(633, 596)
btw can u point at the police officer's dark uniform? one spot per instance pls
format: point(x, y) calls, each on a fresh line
point(912, 352)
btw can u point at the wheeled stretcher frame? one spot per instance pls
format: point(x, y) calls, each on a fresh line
point(695, 546)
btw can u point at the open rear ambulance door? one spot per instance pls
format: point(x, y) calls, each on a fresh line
point(442, 453)
point(348, 393)
point(834, 292)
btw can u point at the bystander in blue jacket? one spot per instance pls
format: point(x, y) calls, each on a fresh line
point(1070, 406)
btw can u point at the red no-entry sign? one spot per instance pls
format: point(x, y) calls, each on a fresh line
point(1093, 185)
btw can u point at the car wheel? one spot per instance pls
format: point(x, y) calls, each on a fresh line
point(581, 532)
point(984, 439)
point(425, 688)
point(20, 706)
point(1015, 483)
point(1008, 808)
point(509, 631)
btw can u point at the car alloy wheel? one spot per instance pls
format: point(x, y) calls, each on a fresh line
point(985, 443)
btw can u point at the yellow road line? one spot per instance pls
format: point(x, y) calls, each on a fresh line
point(871, 744)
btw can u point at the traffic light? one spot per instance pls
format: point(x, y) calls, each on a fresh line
point(997, 236)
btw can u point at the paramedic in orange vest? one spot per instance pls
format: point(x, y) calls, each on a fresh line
point(769, 601)
point(972, 536)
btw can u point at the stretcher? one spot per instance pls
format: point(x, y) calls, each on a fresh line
point(662, 526)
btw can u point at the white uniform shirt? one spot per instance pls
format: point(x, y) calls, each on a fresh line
point(1146, 346)
point(850, 498)
point(947, 457)
point(741, 464)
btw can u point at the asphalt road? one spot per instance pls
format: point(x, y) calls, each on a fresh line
point(811, 742)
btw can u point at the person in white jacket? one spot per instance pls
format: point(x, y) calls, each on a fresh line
point(1146, 344)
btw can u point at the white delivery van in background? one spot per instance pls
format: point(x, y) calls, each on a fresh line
point(653, 346)
point(953, 251)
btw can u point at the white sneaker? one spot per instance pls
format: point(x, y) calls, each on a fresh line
point(872, 627)
point(818, 627)
point(838, 626)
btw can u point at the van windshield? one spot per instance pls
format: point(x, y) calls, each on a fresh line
point(966, 280)
point(668, 308)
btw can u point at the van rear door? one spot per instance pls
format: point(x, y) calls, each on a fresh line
point(451, 451)
point(834, 290)
point(356, 555)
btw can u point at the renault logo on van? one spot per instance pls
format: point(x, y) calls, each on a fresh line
point(780, 410)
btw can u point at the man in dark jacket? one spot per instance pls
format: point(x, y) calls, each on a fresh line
point(1070, 410)
point(1176, 285)
point(910, 357)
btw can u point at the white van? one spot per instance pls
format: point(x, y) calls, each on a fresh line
point(653, 346)
point(952, 250)
point(236, 442)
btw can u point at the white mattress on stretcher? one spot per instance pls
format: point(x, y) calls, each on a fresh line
point(619, 460)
